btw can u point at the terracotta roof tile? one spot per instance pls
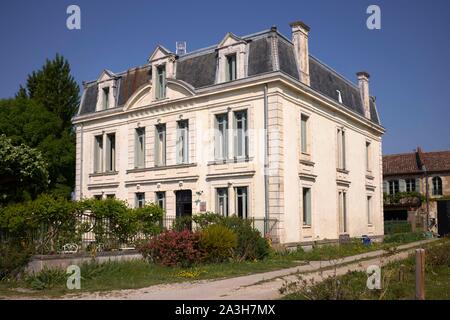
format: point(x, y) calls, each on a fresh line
point(409, 163)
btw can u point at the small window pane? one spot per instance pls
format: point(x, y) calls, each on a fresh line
point(242, 202)
point(304, 134)
point(307, 206)
point(222, 201)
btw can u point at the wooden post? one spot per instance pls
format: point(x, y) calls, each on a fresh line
point(420, 274)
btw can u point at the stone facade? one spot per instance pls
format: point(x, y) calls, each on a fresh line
point(274, 163)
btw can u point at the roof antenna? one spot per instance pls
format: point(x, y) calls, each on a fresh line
point(180, 48)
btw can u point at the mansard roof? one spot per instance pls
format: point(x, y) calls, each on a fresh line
point(198, 68)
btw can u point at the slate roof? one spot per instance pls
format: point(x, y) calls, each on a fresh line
point(411, 163)
point(198, 68)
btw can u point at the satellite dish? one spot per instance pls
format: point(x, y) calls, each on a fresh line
point(180, 48)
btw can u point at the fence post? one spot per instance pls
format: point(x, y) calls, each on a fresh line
point(420, 274)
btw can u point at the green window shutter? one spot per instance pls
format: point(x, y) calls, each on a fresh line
point(418, 185)
point(385, 187)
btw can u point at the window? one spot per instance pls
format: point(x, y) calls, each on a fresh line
point(342, 212)
point(161, 82)
point(221, 137)
point(105, 98)
point(183, 141)
point(111, 152)
point(242, 202)
point(306, 206)
point(222, 201)
point(161, 199)
point(98, 154)
point(110, 196)
point(139, 149)
point(437, 186)
point(230, 68)
point(98, 197)
point(410, 185)
point(241, 134)
point(341, 148)
point(140, 199)
point(394, 187)
point(304, 133)
point(369, 210)
point(339, 96)
point(368, 164)
point(160, 145)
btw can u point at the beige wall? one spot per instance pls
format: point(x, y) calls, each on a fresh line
point(287, 173)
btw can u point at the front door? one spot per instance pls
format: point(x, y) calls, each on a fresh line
point(184, 203)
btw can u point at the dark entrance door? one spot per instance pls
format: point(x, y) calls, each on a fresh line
point(184, 203)
point(443, 210)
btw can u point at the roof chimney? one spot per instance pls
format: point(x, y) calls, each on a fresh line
point(363, 83)
point(300, 33)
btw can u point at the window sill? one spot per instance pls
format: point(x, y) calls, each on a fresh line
point(156, 168)
point(342, 171)
point(369, 176)
point(306, 227)
point(233, 160)
point(106, 173)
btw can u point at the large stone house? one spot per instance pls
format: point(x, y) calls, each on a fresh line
point(407, 174)
point(253, 126)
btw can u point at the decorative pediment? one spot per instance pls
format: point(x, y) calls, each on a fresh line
point(159, 53)
point(106, 75)
point(229, 40)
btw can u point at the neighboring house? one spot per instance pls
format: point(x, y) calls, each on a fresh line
point(188, 132)
point(406, 174)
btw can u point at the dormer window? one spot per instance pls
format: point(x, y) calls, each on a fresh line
point(105, 98)
point(230, 68)
point(339, 96)
point(161, 82)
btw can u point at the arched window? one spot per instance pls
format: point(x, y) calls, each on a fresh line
point(437, 186)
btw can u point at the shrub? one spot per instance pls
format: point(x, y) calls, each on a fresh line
point(206, 219)
point(182, 223)
point(173, 248)
point(404, 237)
point(438, 256)
point(217, 243)
point(251, 245)
point(13, 258)
point(46, 279)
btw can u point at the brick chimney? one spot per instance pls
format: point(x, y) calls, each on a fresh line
point(363, 84)
point(300, 33)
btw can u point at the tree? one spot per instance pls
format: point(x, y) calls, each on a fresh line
point(40, 117)
point(23, 172)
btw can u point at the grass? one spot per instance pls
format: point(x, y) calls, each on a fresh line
point(138, 273)
point(398, 281)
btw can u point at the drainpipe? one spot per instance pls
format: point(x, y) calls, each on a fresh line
point(266, 161)
point(427, 195)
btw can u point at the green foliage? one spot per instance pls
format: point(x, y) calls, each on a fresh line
point(182, 223)
point(13, 258)
point(400, 238)
point(391, 227)
point(251, 245)
point(206, 219)
point(40, 117)
point(46, 279)
point(404, 198)
point(218, 243)
point(23, 172)
point(438, 256)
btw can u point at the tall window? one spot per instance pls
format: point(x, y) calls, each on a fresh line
point(160, 145)
point(161, 82)
point(341, 148)
point(410, 185)
point(105, 98)
point(369, 210)
point(222, 201)
point(394, 187)
point(111, 152)
point(139, 150)
point(231, 68)
point(342, 212)
point(98, 154)
point(304, 133)
point(306, 206)
point(242, 202)
point(140, 199)
point(241, 134)
point(221, 137)
point(183, 141)
point(368, 164)
point(161, 199)
point(437, 186)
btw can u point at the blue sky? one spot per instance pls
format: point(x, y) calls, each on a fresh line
point(408, 59)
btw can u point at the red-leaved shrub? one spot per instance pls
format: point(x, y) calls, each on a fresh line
point(173, 248)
